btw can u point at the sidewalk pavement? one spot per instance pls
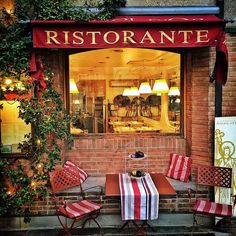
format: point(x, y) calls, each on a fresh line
point(160, 231)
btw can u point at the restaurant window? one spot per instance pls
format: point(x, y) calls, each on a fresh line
point(12, 128)
point(125, 90)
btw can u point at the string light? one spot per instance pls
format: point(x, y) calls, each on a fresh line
point(33, 184)
point(8, 81)
point(38, 142)
point(40, 167)
point(10, 191)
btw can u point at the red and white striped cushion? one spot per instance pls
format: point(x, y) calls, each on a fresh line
point(83, 175)
point(180, 167)
point(80, 208)
point(207, 207)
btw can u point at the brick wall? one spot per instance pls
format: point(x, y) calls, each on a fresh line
point(201, 101)
point(103, 154)
point(229, 94)
point(181, 203)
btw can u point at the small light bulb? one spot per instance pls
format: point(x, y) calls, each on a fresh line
point(8, 81)
point(38, 142)
point(39, 166)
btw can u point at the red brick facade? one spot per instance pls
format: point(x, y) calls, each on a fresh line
point(101, 154)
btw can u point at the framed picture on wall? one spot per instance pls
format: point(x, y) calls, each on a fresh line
point(123, 83)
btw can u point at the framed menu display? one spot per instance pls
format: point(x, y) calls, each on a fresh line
point(225, 155)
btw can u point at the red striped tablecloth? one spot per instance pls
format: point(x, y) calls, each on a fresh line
point(139, 198)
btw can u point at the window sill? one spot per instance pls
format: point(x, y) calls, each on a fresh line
point(15, 155)
point(143, 134)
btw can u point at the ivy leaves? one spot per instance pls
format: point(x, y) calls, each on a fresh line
point(29, 178)
point(45, 112)
point(13, 50)
point(65, 10)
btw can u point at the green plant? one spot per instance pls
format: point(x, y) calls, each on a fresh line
point(27, 180)
point(24, 181)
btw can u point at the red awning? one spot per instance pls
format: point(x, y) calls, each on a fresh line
point(164, 31)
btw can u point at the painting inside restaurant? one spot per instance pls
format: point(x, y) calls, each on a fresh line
point(125, 90)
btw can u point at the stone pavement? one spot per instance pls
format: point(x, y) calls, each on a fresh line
point(161, 231)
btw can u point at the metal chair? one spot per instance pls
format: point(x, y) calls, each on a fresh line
point(81, 210)
point(217, 177)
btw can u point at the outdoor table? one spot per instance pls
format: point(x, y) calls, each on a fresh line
point(161, 183)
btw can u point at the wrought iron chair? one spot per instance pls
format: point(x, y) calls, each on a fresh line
point(217, 177)
point(82, 210)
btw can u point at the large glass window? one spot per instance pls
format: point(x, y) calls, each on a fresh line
point(125, 90)
point(13, 129)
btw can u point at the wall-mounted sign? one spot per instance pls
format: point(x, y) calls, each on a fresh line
point(225, 155)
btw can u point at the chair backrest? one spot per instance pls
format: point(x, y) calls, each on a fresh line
point(64, 178)
point(214, 176)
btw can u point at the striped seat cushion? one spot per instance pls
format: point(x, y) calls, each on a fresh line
point(80, 208)
point(180, 167)
point(83, 174)
point(217, 209)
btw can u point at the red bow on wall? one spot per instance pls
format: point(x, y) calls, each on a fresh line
point(36, 71)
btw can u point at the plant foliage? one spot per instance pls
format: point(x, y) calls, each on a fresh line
point(24, 181)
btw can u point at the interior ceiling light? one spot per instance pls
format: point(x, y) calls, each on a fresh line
point(73, 87)
point(126, 92)
point(133, 91)
point(174, 91)
point(145, 88)
point(160, 86)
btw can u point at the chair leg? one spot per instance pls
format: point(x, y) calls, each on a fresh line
point(85, 221)
point(93, 217)
point(65, 227)
point(195, 223)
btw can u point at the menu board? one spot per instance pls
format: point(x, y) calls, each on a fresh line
point(225, 155)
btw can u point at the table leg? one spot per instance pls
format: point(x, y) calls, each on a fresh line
point(140, 229)
point(123, 226)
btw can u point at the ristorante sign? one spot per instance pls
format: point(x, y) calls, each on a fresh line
point(87, 38)
point(151, 32)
